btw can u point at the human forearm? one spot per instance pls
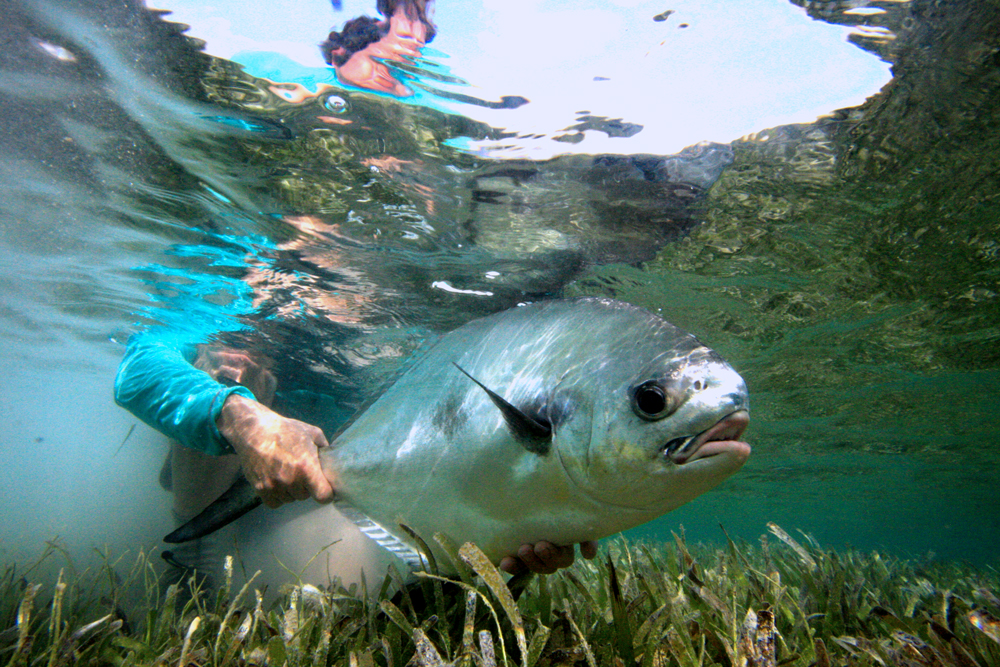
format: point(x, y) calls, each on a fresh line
point(158, 384)
point(279, 456)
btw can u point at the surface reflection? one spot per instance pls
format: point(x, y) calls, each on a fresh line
point(559, 77)
point(359, 49)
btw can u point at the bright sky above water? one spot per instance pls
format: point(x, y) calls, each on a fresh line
point(712, 71)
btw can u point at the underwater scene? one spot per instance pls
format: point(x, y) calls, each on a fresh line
point(444, 244)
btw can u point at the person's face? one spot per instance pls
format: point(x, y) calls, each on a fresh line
point(364, 71)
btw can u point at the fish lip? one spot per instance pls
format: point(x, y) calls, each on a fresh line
point(727, 429)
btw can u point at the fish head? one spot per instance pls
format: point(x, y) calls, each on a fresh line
point(664, 426)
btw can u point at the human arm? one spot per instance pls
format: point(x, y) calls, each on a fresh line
point(157, 383)
point(176, 389)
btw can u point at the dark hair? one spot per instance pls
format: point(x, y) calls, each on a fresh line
point(357, 34)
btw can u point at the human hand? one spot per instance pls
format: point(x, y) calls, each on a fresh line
point(279, 456)
point(545, 558)
point(239, 367)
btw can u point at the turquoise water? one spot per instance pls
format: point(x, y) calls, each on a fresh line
point(845, 264)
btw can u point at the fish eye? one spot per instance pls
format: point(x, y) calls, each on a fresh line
point(650, 401)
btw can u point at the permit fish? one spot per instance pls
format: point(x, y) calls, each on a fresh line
point(566, 421)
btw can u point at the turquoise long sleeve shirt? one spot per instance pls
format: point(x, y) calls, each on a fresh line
point(158, 384)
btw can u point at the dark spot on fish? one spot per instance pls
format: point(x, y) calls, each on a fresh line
point(663, 17)
point(450, 417)
point(739, 400)
point(510, 102)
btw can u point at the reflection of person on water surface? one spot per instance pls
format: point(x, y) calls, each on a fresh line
point(357, 51)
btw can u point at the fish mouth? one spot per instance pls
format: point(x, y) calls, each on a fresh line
point(722, 437)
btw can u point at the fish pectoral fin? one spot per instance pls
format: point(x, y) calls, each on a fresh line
point(532, 434)
point(239, 499)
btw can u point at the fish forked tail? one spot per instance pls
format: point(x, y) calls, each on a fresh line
point(239, 499)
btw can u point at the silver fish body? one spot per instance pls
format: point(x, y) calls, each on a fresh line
point(632, 417)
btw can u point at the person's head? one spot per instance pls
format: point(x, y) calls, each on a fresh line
point(357, 34)
point(361, 50)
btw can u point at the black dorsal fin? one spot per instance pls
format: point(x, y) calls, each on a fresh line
point(534, 435)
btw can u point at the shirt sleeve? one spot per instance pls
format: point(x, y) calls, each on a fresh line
point(158, 384)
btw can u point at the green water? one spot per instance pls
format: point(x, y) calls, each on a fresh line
point(851, 265)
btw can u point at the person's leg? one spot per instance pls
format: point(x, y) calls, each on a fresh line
point(197, 479)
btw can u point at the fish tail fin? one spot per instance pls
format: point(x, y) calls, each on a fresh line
point(239, 499)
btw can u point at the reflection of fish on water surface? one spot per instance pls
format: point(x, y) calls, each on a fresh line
point(563, 421)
